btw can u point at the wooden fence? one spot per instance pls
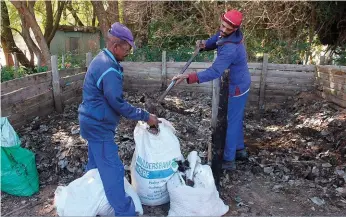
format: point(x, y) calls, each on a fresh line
point(331, 83)
point(39, 94)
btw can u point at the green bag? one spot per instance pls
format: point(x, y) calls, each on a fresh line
point(19, 175)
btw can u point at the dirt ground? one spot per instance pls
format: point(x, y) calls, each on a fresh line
point(296, 166)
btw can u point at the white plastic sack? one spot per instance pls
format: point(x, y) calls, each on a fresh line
point(9, 136)
point(85, 196)
point(153, 162)
point(200, 200)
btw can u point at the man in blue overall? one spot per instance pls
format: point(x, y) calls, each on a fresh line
point(231, 55)
point(99, 115)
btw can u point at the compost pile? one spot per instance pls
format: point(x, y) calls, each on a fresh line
point(297, 146)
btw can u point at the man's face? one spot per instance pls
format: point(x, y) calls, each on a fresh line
point(226, 29)
point(121, 51)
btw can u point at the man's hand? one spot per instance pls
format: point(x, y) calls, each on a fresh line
point(179, 78)
point(201, 43)
point(153, 120)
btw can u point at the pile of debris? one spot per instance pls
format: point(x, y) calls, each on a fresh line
point(297, 145)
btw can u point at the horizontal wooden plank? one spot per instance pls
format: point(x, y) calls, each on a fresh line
point(334, 99)
point(71, 94)
point(331, 69)
point(253, 97)
point(127, 64)
point(282, 80)
point(290, 74)
point(255, 84)
point(332, 85)
point(275, 86)
point(28, 114)
point(77, 100)
point(73, 86)
point(282, 92)
point(71, 71)
point(23, 105)
point(255, 72)
point(336, 93)
point(276, 98)
point(7, 100)
point(30, 80)
point(255, 66)
point(193, 65)
point(291, 67)
point(68, 80)
point(146, 68)
point(333, 78)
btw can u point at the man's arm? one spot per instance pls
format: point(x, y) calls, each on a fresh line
point(222, 62)
point(210, 44)
point(112, 90)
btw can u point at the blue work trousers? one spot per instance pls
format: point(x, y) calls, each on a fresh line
point(235, 134)
point(104, 156)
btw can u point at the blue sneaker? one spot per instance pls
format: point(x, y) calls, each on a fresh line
point(241, 155)
point(229, 165)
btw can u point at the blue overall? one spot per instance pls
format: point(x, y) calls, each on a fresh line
point(231, 54)
point(99, 115)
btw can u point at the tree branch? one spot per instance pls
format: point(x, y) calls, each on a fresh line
point(61, 6)
point(74, 13)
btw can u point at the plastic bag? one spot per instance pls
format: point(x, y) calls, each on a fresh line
point(18, 171)
point(9, 137)
point(85, 196)
point(201, 199)
point(153, 162)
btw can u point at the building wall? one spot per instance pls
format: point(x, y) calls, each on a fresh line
point(64, 42)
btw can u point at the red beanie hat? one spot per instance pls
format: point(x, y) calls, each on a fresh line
point(233, 17)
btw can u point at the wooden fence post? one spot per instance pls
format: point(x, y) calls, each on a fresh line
point(38, 62)
point(164, 71)
point(214, 110)
point(63, 61)
point(16, 65)
point(261, 103)
point(220, 128)
point(322, 60)
point(56, 84)
point(88, 59)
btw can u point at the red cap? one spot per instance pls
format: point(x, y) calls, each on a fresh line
point(233, 17)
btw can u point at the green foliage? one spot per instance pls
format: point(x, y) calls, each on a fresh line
point(9, 73)
point(181, 54)
point(340, 57)
point(71, 60)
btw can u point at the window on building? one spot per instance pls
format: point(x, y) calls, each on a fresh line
point(74, 45)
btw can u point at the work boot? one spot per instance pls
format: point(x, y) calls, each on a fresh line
point(229, 165)
point(241, 155)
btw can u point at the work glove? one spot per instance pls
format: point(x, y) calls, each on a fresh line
point(190, 78)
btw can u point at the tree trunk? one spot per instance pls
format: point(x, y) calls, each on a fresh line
point(49, 19)
point(33, 49)
point(106, 18)
point(101, 16)
point(52, 31)
point(31, 21)
point(93, 21)
point(7, 40)
point(112, 12)
point(7, 53)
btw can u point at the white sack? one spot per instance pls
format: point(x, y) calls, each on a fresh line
point(85, 196)
point(153, 162)
point(200, 200)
